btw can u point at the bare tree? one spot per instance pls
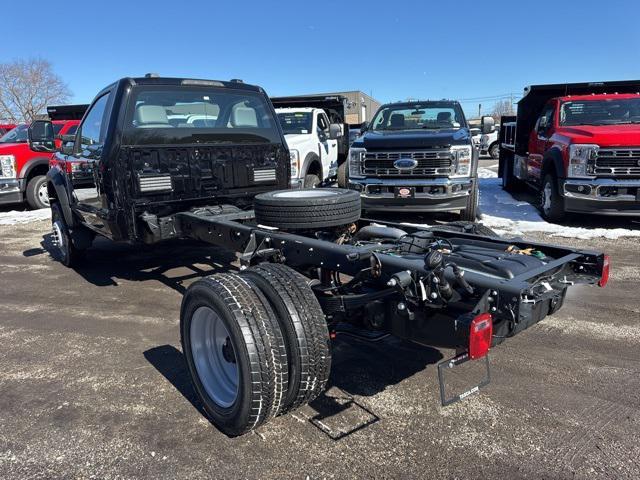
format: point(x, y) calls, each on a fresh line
point(502, 107)
point(27, 87)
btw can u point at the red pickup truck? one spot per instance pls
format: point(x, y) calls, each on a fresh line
point(578, 145)
point(23, 170)
point(5, 127)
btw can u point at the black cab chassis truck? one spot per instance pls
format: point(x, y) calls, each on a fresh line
point(201, 159)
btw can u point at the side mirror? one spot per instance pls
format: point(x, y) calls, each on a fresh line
point(41, 136)
point(335, 131)
point(488, 125)
point(363, 127)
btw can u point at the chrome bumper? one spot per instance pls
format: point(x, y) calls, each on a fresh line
point(603, 189)
point(431, 187)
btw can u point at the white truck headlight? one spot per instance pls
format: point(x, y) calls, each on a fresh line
point(295, 163)
point(461, 160)
point(7, 166)
point(581, 157)
point(355, 162)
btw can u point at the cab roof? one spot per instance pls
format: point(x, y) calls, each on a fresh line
point(151, 80)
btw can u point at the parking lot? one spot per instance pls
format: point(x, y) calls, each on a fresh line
point(94, 384)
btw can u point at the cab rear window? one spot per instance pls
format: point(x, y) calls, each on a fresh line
point(197, 114)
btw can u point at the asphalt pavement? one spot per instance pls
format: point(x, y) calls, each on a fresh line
point(93, 383)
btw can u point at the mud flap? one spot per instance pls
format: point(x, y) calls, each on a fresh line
point(454, 362)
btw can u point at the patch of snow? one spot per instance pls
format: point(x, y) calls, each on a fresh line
point(500, 211)
point(15, 217)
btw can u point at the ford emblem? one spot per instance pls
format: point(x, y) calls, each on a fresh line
point(405, 164)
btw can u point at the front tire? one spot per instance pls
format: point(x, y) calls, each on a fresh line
point(37, 194)
point(64, 249)
point(494, 151)
point(470, 213)
point(551, 203)
point(342, 175)
point(235, 352)
point(311, 181)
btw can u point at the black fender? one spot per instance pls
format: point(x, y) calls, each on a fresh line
point(552, 161)
point(308, 160)
point(58, 188)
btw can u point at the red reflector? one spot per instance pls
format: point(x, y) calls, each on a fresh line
point(480, 334)
point(604, 276)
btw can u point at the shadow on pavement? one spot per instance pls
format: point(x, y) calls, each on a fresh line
point(173, 263)
point(359, 369)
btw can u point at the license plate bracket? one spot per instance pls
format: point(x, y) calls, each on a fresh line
point(447, 365)
point(405, 192)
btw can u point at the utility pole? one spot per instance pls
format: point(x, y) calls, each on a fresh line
point(479, 110)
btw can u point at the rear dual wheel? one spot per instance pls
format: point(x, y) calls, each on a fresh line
point(256, 345)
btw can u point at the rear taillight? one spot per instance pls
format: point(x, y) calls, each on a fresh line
point(480, 334)
point(604, 276)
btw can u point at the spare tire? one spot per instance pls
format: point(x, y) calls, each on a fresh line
point(307, 208)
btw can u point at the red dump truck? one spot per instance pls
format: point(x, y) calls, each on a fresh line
point(578, 145)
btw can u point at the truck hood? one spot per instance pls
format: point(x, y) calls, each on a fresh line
point(13, 148)
point(379, 140)
point(603, 135)
point(296, 139)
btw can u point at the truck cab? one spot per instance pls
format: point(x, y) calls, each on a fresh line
point(582, 150)
point(313, 144)
point(418, 157)
point(23, 169)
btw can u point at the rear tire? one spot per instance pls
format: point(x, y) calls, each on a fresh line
point(307, 208)
point(235, 352)
point(551, 204)
point(470, 213)
point(304, 327)
point(37, 195)
point(509, 181)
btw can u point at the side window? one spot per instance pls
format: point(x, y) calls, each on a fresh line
point(323, 124)
point(545, 120)
point(91, 128)
point(72, 130)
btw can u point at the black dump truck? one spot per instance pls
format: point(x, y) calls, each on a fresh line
point(202, 159)
point(415, 157)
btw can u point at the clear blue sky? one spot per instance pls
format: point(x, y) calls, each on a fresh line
point(394, 49)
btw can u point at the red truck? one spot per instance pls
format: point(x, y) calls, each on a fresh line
point(578, 145)
point(22, 169)
point(5, 127)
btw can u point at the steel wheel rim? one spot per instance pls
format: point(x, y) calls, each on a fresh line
point(43, 194)
point(59, 238)
point(546, 198)
point(214, 356)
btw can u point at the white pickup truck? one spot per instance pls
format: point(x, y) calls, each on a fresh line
point(313, 144)
point(486, 143)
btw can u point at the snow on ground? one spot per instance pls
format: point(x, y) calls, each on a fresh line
point(500, 211)
point(15, 217)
